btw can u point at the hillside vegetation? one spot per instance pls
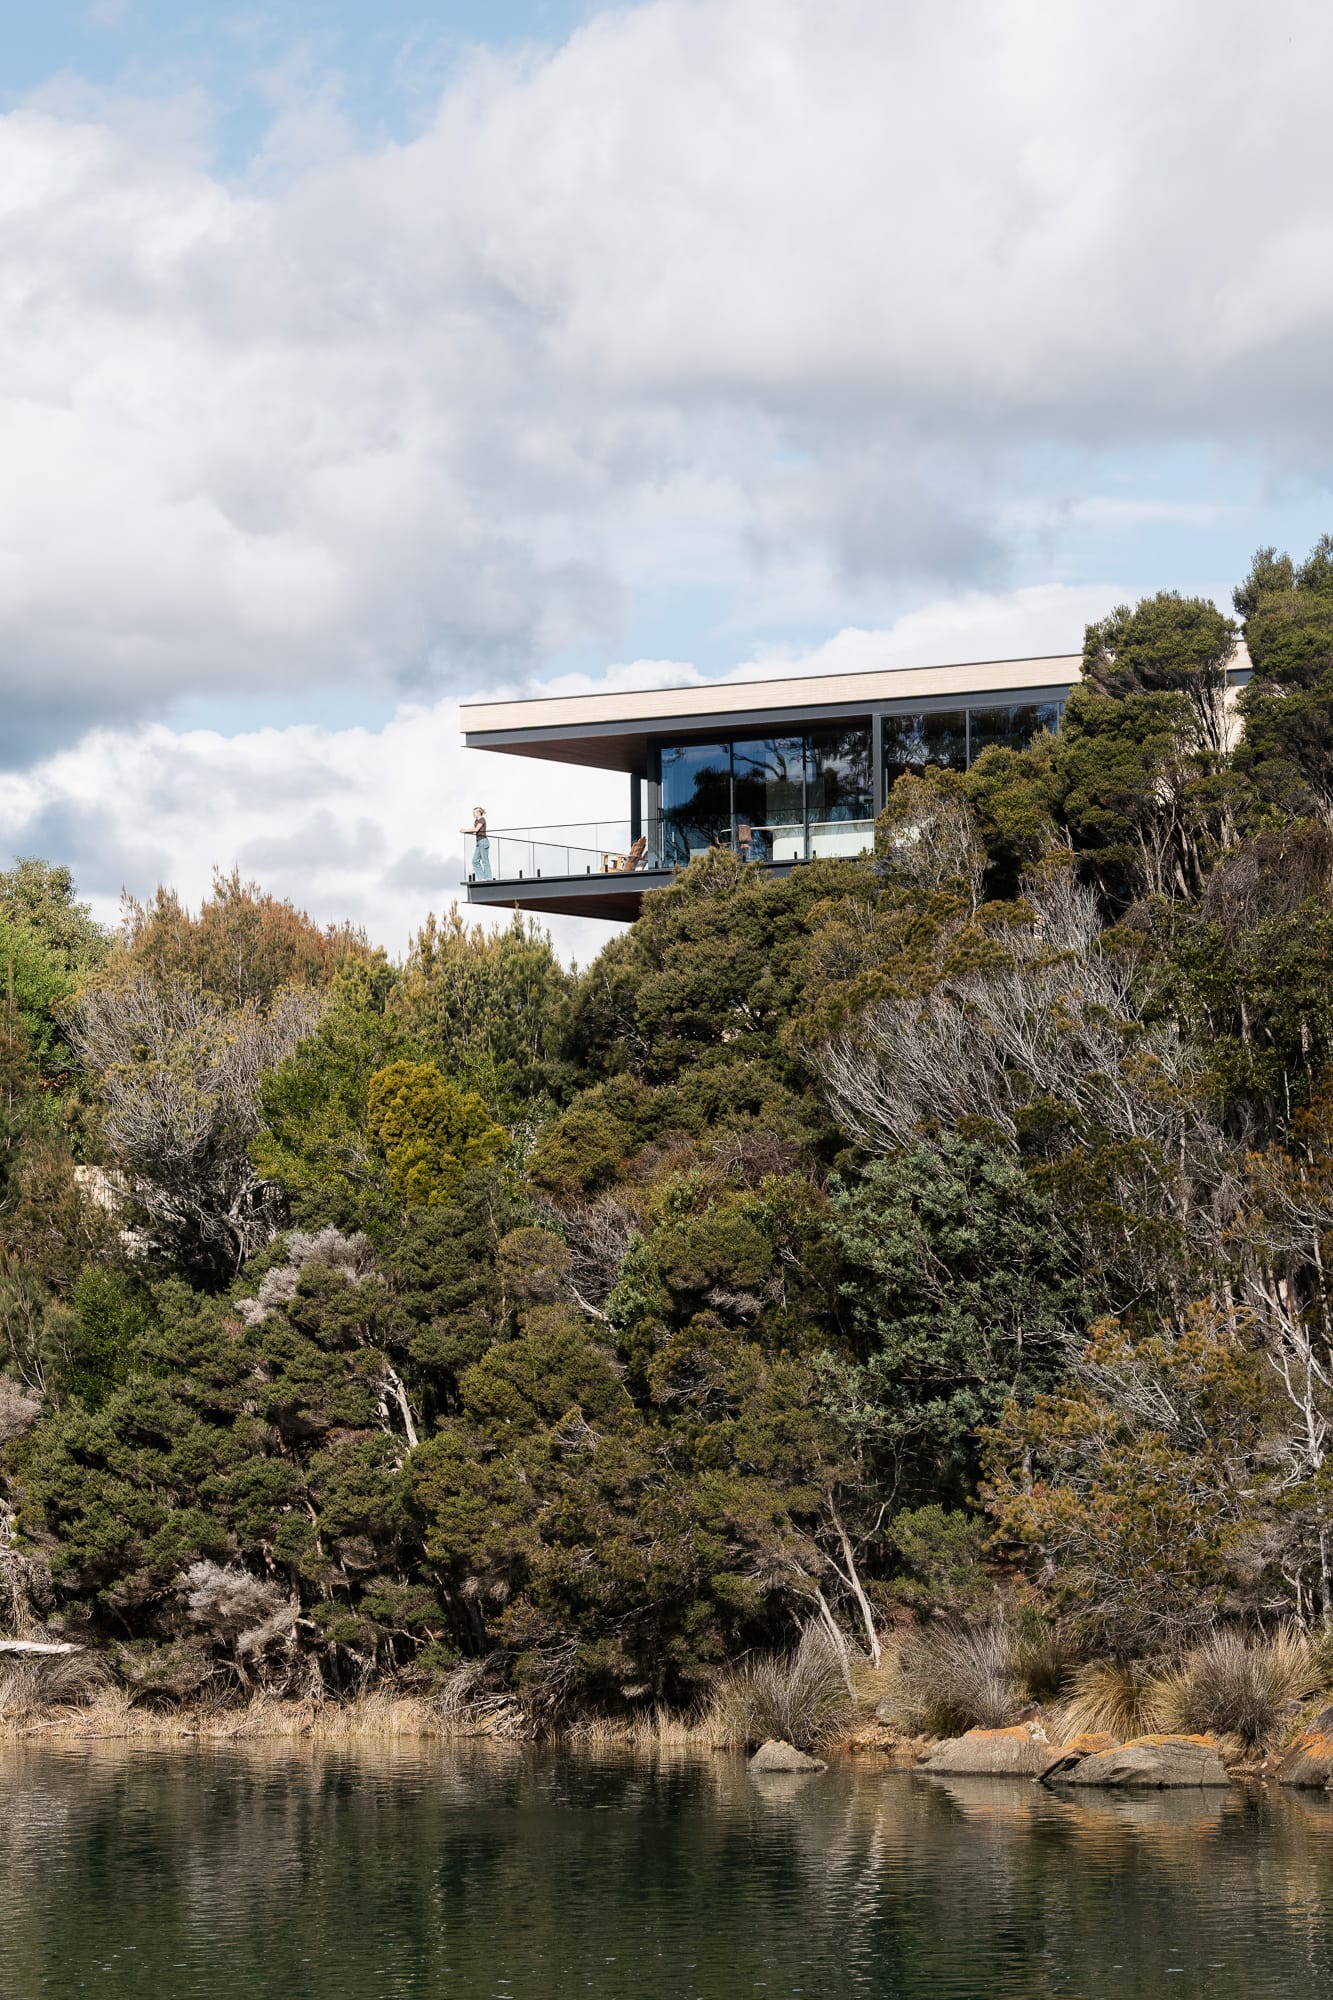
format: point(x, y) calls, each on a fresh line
point(941, 1239)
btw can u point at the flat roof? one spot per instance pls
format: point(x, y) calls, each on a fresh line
point(610, 731)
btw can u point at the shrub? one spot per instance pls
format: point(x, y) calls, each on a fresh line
point(1124, 1698)
point(956, 1678)
point(799, 1697)
point(1236, 1684)
point(32, 1682)
point(942, 1552)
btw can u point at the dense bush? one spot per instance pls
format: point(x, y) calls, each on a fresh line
point(939, 1238)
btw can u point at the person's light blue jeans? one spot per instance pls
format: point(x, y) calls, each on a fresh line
point(481, 859)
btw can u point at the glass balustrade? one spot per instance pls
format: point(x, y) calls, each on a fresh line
point(532, 853)
point(607, 847)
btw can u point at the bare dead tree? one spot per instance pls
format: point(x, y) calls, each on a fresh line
point(1054, 1021)
point(179, 1076)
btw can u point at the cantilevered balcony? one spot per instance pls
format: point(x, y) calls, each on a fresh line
point(603, 867)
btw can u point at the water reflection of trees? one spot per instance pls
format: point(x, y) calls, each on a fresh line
point(472, 1871)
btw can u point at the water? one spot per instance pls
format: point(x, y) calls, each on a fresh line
point(478, 1875)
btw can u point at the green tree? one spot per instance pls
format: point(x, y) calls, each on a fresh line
point(40, 897)
point(1287, 708)
point(428, 1132)
point(960, 1291)
point(314, 1141)
point(488, 1007)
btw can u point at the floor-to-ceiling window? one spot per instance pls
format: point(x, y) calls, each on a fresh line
point(913, 741)
point(696, 799)
point(772, 798)
point(1011, 726)
point(768, 797)
point(956, 737)
point(796, 795)
point(840, 789)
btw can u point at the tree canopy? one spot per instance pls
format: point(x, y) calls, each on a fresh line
point(880, 1242)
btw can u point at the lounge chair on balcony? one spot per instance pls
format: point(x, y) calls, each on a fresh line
point(625, 864)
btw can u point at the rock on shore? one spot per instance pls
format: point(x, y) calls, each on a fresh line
point(1309, 1761)
point(783, 1757)
point(1149, 1763)
point(1016, 1752)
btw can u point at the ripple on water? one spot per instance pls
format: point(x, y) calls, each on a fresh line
point(479, 1873)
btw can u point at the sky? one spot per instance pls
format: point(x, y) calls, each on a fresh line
point(356, 359)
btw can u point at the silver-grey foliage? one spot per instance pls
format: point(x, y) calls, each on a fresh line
point(178, 1073)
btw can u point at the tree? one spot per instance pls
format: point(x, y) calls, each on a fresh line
point(314, 1141)
point(40, 897)
point(1287, 708)
point(959, 1290)
point(428, 1133)
point(244, 945)
point(1168, 644)
point(486, 1006)
point(1138, 1490)
point(178, 1072)
point(34, 980)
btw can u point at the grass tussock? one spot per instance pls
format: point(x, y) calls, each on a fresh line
point(800, 1697)
point(953, 1678)
point(34, 1684)
point(658, 1729)
point(1121, 1698)
point(1243, 1684)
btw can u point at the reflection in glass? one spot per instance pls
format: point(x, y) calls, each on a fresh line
point(1011, 728)
point(768, 791)
point(841, 775)
point(840, 790)
point(696, 799)
point(913, 741)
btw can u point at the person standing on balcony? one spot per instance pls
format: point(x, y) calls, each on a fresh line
point(481, 846)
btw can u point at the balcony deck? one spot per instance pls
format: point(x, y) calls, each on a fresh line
point(590, 869)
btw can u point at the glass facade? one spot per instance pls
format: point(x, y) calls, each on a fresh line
point(1012, 727)
point(771, 798)
point(913, 741)
point(795, 795)
point(696, 798)
point(768, 797)
point(956, 737)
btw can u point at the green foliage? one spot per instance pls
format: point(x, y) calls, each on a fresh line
point(428, 1132)
point(314, 1140)
point(1140, 1481)
point(1288, 706)
point(487, 1007)
point(959, 1292)
point(112, 1317)
point(34, 980)
point(941, 1557)
point(947, 1232)
point(1168, 644)
point(40, 897)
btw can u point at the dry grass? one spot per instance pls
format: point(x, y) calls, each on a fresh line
point(1239, 1684)
point(658, 1729)
point(1234, 1684)
point(32, 1684)
point(799, 1697)
point(72, 1696)
point(1124, 1698)
point(956, 1678)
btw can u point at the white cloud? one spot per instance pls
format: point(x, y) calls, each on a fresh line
point(366, 823)
point(752, 287)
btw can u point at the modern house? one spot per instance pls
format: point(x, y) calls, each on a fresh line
point(781, 771)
